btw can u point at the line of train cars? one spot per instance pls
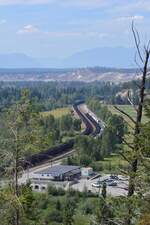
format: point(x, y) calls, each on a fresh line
point(99, 125)
point(64, 147)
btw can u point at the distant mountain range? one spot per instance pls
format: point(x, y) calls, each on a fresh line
point(106, 57)
point(17, 60)
point(118, 57)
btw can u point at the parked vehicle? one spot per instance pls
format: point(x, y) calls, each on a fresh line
point(114, 177)
point(97, 184)
point(111, 183)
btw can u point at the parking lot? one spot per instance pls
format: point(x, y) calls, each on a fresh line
point(119, 190)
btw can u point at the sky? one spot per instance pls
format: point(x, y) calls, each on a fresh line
point(60, 28)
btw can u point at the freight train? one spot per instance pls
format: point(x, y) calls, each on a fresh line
point(96, 125)
point(65, 147)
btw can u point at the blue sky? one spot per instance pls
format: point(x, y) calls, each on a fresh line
point(59, 28)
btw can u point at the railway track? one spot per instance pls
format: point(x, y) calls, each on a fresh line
point(96, 125)
point(89, 128)
point(60, 149)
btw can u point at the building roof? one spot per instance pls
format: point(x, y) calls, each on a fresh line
point(59, 170)
point(86, 168)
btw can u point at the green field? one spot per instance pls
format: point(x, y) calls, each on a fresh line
point(113, 164)
point(127, 109)
point(57, 113)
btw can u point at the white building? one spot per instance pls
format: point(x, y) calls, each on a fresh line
point(86, 171)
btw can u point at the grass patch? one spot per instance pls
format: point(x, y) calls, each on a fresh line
point(114, 159)
point(113, 164)
point(57, 113)
point(127, 109)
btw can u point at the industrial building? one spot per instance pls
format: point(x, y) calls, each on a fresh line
point(59, 173)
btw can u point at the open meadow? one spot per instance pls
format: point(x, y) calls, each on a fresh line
point(127, 109)
point(59, 112)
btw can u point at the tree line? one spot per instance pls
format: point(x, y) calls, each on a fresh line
point(52, 95)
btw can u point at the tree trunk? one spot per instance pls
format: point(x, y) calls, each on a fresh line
point(16, 186)
point(134, 164)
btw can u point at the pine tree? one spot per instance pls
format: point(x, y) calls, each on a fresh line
point(23, 135)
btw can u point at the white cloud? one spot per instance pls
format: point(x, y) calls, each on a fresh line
point(132, 6)
point(3, 21)
point(91, 34)
point(138, 17)
point(28, 29)
point(130, 18)
point(31, 29)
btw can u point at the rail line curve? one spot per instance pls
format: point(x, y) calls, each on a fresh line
point(41, 157)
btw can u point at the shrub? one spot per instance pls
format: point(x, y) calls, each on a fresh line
point(56, 191)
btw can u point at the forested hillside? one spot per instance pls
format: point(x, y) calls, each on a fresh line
point(52, 95)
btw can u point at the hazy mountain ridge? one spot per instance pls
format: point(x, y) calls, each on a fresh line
point(107, 57)
point(18, 60)
point(119, 57)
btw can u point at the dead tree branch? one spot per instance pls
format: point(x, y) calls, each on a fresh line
point(126, 114)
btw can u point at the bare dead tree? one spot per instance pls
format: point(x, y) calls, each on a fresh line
point(143, 53)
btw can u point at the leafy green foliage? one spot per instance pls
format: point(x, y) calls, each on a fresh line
point(90, 150)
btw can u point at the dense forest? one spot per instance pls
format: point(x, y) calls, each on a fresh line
point(25, 131)
point(49, 95)
point(72, 207)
